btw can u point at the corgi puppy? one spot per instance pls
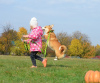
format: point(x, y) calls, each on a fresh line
point(53, 42)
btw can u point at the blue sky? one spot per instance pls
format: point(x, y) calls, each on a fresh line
point(66, 15)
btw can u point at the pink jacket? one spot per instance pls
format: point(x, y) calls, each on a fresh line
point(35, 36)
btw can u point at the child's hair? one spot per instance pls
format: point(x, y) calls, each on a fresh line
point(33, 22)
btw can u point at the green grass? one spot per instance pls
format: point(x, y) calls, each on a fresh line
point(16, 69)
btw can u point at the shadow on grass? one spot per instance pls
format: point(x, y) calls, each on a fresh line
point(58, 66)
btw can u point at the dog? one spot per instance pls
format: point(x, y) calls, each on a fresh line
point(53, 42)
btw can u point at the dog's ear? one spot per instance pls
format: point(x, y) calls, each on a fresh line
point(51, 26)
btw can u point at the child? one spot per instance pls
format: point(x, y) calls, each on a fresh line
point(35, 41)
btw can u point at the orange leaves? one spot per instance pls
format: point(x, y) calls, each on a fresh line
point(89, 51)
point(19, 48)
point(22, 31)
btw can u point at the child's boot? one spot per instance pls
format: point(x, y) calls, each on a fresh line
point(44, 62)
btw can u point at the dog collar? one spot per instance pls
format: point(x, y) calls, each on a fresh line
point(51, 31)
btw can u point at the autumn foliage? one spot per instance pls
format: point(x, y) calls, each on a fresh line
point(75, 49)
point(18, 48)
point(77, 44)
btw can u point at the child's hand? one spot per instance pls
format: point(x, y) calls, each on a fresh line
point(25, 35)
point(24, 41)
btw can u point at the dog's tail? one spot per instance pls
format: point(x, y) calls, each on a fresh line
point(62, 54)
point(62, 49)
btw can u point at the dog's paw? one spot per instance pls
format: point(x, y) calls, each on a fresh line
point(55, 59)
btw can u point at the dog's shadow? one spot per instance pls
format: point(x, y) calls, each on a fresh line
point(58, 66)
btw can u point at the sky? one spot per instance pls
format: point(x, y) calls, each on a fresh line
point(66, 15)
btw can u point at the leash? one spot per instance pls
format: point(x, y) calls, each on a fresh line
point(27, 47)
point(46, 45)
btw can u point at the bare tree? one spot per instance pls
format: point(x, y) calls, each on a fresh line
point(64, 38)
point(79, 35)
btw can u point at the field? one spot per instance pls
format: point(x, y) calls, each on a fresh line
point(16, 69)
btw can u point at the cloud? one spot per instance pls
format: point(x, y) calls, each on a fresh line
point(6, 1)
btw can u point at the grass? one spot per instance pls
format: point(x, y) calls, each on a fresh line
point(16, 69)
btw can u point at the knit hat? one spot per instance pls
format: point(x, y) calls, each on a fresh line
point(33, 22)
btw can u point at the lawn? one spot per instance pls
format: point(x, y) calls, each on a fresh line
point(16, 69)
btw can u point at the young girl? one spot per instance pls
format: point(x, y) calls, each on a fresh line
point(35, 41)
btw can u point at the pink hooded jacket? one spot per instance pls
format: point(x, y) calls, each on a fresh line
point(35, 36)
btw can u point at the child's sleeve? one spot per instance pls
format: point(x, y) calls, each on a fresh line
point(28, 40)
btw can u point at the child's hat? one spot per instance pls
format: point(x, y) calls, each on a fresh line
point(33, 22)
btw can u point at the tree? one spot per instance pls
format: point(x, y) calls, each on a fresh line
point(7, 37)
point(75, 49)
point(64, 39)
point(18, 48)
point(80, 48)
point(88, 50)
point(79, 35)
point(97, 48)
point(1, 46)
point(22, 31)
